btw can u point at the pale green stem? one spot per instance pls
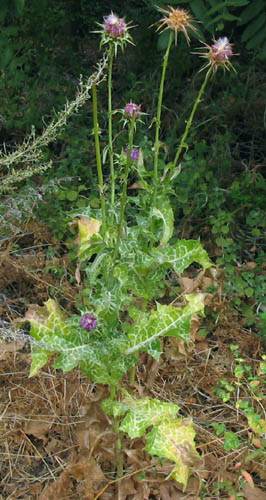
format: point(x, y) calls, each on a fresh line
point(98, 155)
point(132, 374)
point(124, 190)
point(119, 438)
point(158, 119)
point(190, 120)
point(112, 389)
point(110, 126)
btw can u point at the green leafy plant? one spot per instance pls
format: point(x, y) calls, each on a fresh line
point(126, 257)
point(244, 378)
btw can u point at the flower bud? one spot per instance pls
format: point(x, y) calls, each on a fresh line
point(134, 155)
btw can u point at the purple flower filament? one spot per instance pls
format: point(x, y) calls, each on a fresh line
point(88, 321)
point(114, 25)
point(222, 49)
point(134, 155)
point(132, 110)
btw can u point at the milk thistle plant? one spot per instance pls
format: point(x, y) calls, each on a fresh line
point(126, 265)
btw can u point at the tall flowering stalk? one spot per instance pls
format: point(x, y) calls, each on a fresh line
point(176, 20)
point(110, 125)
point(98, 155)
point(158, 119)
point(218, 57)
point(115, 33)
point(131, 113)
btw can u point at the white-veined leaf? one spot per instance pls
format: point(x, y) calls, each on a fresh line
point(166, 320)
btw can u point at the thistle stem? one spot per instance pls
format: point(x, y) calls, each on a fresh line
point(98, 155)
point(119, 436)
point(132, 375)
point(110, 126)
point(190, 120)
point(119, 446)
point(124, 190)
point(158, 119)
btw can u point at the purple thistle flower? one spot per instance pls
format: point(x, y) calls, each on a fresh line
point(219, 54)
point(222, 48)
point(114, 25)
point(132, 110)
point(134, 155)
point(88, 321)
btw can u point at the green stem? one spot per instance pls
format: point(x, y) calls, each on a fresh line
point(158, 119)
point(118, 446)
point(132, 375)
point(190, 120)
point(119, 436)
point(112, 389)
point(124, 190)
point(110, 127)
point(98, 155)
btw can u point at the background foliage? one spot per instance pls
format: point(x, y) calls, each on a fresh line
point(220, 191)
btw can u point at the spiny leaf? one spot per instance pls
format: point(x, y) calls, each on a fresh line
point(174, 440)
point(142, 413)
point(165, 213)
point(178, 256)
point(165, 321)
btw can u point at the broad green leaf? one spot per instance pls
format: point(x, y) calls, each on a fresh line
point(46, 321)
point(256, 40)
point(89, 235)
point(174, 440)
point(114, 408)
point(198, 8)
point(256, 423)
point(100, 360)
point(19, 5)
point(251, 11)
point(147, 283)
point(171, 438)
point(163, 39)
point(142, 413)
point(237, 3)
point(165, 213)
point(253, 27)
point(39, 358)
point(6, 56)
point(178, 256)
point(165, 321)
point(219, 6)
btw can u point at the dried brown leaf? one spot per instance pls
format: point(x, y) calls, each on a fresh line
point(39, 427)
point(255, 493)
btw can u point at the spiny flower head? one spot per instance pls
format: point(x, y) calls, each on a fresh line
point(88, 321)
point(114, 25)
point(176, 20)
point(132, 110)
point(218, 54)
point(114, 31)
